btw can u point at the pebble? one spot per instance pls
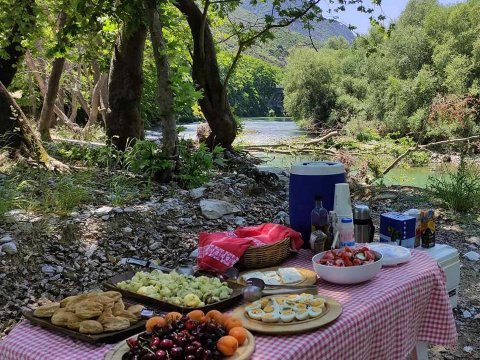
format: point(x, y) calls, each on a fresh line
point(118, 210)
point(105, 217)
point(474, 240)
point(468, 349)
point(48, 269)
point(467, 314)
point(240, 221)
point(5, 239)
point(104, 210)
point(472, 256)
point(127, 230)
point(9, 248)
point(129, 210)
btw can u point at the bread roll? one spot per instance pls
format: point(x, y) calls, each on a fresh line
point(88, 309)
point(46, 310)
point(90, 327)
point(115, 323)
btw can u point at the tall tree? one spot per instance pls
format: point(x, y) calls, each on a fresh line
point(124, 123)
point(206, 75)
point(165, 95)
point(53, 85)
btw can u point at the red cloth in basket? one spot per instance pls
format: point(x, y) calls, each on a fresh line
point(220, 251)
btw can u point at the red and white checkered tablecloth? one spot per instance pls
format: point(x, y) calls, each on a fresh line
point(381, 319)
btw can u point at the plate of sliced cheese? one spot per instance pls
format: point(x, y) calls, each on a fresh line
point(287, 314)
point(281, 276)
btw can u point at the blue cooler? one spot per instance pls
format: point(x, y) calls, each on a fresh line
point(308, 179)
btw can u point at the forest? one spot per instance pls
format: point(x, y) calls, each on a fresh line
point(420, 79)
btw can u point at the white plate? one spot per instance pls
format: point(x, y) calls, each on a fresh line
point(392, 254)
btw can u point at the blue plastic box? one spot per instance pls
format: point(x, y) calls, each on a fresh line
point(397, 228)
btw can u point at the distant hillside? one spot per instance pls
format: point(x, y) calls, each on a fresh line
point(276, 51)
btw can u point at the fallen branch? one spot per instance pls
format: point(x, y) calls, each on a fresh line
point(425, 147)
point(323, 138)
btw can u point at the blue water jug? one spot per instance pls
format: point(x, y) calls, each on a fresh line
point(308, 179)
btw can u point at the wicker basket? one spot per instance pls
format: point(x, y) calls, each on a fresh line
point(264, 256)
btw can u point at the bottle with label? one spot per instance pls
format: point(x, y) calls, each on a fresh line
point(346, 232)
point(319, 219)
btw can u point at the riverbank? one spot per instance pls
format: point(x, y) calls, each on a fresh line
point(75, 250)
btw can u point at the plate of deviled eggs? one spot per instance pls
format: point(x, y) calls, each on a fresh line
point(288, 314)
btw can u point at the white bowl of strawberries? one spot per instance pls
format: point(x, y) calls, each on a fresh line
point(350, 265)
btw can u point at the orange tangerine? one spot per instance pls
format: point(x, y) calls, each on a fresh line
point(172, 316)
point(214, 315)
point(154, 321)
point(238, 333)
point(231, 322)
point(227, 345)
point(197, 315)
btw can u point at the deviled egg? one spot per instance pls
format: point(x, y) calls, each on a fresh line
point(287, 315)
point(256, 314)
point(254, 305)
point(301, 314)
point(315, 311)
point(271, 317)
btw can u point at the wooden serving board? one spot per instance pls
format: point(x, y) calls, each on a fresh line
point(333, 311)
point(111, 284)
point(244, 352)
point(309, 276)
point(110, 337)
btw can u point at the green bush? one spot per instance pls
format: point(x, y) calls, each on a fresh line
point(146, 158)
point(367, 135)
point(197, 164)
point(460, 189)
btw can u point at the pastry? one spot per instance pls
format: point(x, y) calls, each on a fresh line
point(125, 314)
point(118, 307)
point(61, 317)
point(136, 310)
point(106, 314)
point(71, 305)
point(115, 323)
point(74, 322)
point(46, 310)
point(88, 309)
point(115, 295)
point(90, 327)
point(67, 300)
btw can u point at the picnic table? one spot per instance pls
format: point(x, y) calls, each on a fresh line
point(383, 318)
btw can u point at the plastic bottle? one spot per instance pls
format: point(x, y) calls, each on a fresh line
point(347, 232)
point(319, 217)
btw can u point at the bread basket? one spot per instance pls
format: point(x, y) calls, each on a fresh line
point(264, 256)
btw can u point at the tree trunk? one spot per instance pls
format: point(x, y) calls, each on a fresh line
point(164, 90)
point(19, 135)
point(124, 122)
point(52, 90)
point(92, 118)
point(206, 75)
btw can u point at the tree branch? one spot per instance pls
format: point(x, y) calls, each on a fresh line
point(203, 28)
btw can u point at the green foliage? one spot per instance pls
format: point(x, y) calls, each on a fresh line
point(145, 157)
point(367, 135)
point(123, 189)
point(197, 164)
point(460, 189)
point(402, 81)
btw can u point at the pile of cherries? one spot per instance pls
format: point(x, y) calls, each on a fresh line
point(182, 339)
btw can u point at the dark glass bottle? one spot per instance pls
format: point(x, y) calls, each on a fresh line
point(319, 219)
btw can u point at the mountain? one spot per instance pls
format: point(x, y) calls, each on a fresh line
point(276, 51)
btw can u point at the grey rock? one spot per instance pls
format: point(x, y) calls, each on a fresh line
point(104, 210)
point(281, 218)
point(172, 228)
point(467, 314)
point(472, 247)
point(90, 250)
point(472, 256)
point(118, 210)
point(5, 239)
point(127, 230)
point(215, 209)
point(468, 349)
point(9, 248)
point(105, 217)
point(197, 193)
point(48, 269)
point(240, 221)
point(129, 210)
point(474, 240)
point(155, 246)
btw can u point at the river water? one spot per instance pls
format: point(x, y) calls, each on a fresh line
point(258, 131)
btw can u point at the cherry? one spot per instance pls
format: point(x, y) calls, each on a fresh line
point(176, 352)
point(207, 355)
point(190, 325)
point(199, 352)
point(190, 349)
point(155, 342)
point(161, 355)
point(148, 356)
point(196, 344)
point(190, 357)
point(132, 342)
point(166, 344)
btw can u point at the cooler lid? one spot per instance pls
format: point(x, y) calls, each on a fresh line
point(443, 253)
point(317, 168)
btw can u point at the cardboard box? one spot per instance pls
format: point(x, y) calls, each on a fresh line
point(397, 228)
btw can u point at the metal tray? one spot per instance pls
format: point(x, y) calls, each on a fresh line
point(163, 305)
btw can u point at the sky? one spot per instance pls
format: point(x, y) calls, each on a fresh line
point(391, 9)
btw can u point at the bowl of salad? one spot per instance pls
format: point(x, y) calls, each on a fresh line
point(349, 265)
